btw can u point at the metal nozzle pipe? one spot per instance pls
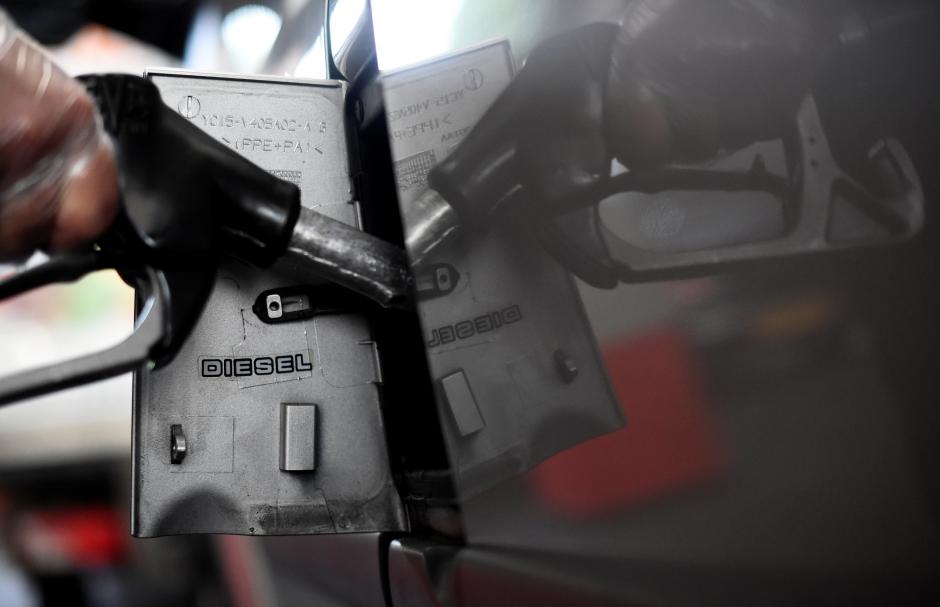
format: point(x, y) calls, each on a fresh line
point(429, 221)
point(352, 258)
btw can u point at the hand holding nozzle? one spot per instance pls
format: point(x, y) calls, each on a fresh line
point(187, 201)
point(184, 195)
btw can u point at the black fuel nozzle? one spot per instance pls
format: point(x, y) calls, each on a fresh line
point(187, 199)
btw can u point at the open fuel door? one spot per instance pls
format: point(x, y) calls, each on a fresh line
point(269, 419)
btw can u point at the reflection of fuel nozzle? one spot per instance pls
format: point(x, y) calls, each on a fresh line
point(476, 180)
point(429, 221)
point(543, 151)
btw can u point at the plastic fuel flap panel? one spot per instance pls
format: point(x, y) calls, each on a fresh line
point(266, 428)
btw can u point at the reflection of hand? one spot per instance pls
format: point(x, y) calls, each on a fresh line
point(688, 78)
point(679, 80)
point(58, 181)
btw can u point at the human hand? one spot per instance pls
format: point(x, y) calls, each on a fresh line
point(58, 178)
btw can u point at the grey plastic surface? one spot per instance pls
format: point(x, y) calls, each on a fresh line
point(231, 480)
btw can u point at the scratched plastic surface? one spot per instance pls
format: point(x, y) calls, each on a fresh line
point(227, 384)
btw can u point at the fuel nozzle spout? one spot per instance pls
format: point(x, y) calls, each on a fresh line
point(351, 258)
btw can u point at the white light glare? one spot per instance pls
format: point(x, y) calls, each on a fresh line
point(344, 17)
point(313, 62)
point(409, 31)
point(248, 33)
